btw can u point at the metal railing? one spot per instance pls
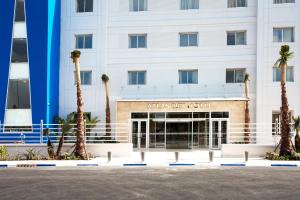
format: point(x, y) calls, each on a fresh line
point(39, 133)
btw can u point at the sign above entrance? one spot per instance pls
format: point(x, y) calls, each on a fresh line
point(179, 106)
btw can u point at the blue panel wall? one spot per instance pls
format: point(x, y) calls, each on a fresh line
point(53, 59)
point(6, 22)
point(37, 30)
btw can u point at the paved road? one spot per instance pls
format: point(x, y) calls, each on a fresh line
point(150, 183)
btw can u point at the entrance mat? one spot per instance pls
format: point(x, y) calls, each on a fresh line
point(284, 165)
point(135, 165)
point(233, 165)
point(181, 164)
point(87, 165)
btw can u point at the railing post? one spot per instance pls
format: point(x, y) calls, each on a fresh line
point(41, 132)
point(84, 129)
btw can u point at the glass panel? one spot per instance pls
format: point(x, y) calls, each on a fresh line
point(157, 130)
point(224, 132)
point(80, 5)
point(290, 74)
point(193, 77)
point(183, 77)
point(184, 4)
point(178, 135)
point(139, 115)
point(88, 41)
point(202, 115)
point(201, 134)
point(215, 134)
point(179, 115)
point(142, 5)
point(135, 129)
point(195, 4)
point(18, 94)
point(288, 35)
point(193, 39)
point(79, 42)
point(142, 41)
point(241, 3)
point(133, 41)
point(229, 76)
point(19, 51)
point(184, 40)
point(239, 75)
point(230, 38)
point(20, 14)
point(89, 5)
point(135, 5)
point(219, 115)
point(86, 77)
point(240, 38)
point(132, 78)
point(276, 74)
point(231, 3)
point(277, 35)
point(143, 133)
point(141, 78)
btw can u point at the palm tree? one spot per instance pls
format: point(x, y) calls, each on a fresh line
point(296, 126)
point(285, 147)
point(79, 147)
point(105, 80)
point(247, 114)
point(65, 126)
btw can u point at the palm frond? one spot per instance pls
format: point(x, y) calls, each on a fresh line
point(246, 77)
point(296, 124)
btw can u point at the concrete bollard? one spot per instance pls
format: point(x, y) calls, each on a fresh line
point(211, 156)
point(176, 156)
point(108, 156)
point(246, 156)
point(142, 156)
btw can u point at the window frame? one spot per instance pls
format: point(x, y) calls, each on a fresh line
point(189, 34)
point(282, 29)
point(283, 1)
point(84, 7)
point(235, 37)
point(137, 77)
point(137, 40)
point(188, 8)
point(131, 9)
point(236, 4)
point(84, 39)
point(180, 82)
point(275, 80)
point(234, 75)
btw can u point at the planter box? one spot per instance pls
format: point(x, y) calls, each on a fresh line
point(238, 150)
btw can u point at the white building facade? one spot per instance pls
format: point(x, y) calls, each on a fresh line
point(177, 67)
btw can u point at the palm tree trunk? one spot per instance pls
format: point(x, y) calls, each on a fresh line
point(79, 148)
point(297, 142)
point(60, 144)
point(247, 116)
point(285, 148)
point(107, 114)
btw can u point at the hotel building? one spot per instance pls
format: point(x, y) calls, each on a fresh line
point(176, 67)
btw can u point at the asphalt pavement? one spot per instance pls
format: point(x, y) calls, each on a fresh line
point(166, 183)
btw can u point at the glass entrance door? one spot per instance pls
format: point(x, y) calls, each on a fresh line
point(218, 133)
point(139, 134)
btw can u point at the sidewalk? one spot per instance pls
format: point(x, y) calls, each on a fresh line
point(156, 159)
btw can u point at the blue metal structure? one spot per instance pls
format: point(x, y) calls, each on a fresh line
point(43, 33)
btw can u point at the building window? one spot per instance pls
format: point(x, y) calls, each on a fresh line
point(189, 4)
point(137, 78)
point(85, 77)
point(138, 5)
point(283, 1)
point(18, 94)
point(19, 50)
point(188, 39)
point(283, 34)
point(84, 6)
point(84, 41)
point(138, 41)
point(20, 13)
point(289, 74)
point(235, 75)
point(188, 76)
point(236, 38)
point(237, 3)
